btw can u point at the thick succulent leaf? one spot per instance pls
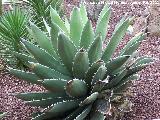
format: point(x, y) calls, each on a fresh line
point(99, 74)
point(87, 35)
point(134, 70)
point(55, 18)
point(61, 108)
point(54, 35)
point(35, 114)
point(76, 26)
point(83, 12)
point(80, 64)
point(55, 85)
point(121, 22)
point(96, 115)
point(76, 88)
point(45, 72)
point(115, 39)
point(143, 60)
point(39, 95)
point(102, 13)
point(24, 57)
point(128, 62)
point(92, 70)
point(66, 50)
point(116, 63)
point(46, 102)
point(67, 24)
point(84, 113)
point(113, 83)
point(95, 50)
point(132, 49)
point(48, 28)
point(2, 114)
point(133, 44)
point(42, 40)
point(42, 116)
point(123, 83)
point(102, 23)
point(90, 99)
point(134, 55)
point(74, 114)
point(26, 76)
point(30, 32)
point(45, 58)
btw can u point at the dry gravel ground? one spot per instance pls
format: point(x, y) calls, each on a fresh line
point(146, 90)
point(16, 108)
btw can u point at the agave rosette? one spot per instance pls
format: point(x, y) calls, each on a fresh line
point(82, 78)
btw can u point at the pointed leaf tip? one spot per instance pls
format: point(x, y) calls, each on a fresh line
point(76, 26)
point(80, 64)
point(66, 50)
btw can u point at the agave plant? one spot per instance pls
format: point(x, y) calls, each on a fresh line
point(12, 28)
point(82, 79)
point(40, 10)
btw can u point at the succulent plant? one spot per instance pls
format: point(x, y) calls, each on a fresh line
point(40, 10)
point(2, 114)
point(82, 79)
point(12, 28)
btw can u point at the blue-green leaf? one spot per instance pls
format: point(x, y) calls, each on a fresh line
point(95, 50)
point(87, 36)
point(76, 26)
point(55, 18)
point(102, 23)
point(66, 50)
point(115, 39)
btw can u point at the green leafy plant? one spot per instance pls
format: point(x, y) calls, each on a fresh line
point(12, 28)
point(82, 79)
point(40, 10)
point(2, 114)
